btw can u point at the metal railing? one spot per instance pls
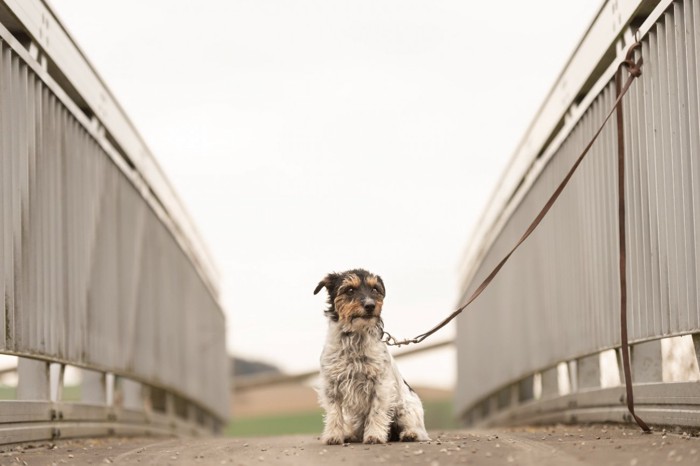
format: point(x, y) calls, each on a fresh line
point(549, 322)
point(100, 267)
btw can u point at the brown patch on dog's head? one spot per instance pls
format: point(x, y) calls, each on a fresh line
point(348, 282)
point(353, 296)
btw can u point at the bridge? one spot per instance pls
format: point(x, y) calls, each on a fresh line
point(103, 271)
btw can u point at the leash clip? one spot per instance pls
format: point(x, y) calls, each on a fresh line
point(389, 339)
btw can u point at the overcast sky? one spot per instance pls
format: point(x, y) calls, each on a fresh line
point(314, 136)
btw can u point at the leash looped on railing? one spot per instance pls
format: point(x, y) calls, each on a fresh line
point(634, 70)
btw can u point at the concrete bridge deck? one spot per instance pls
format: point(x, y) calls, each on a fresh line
point(558, 445)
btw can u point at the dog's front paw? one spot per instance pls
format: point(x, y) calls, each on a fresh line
point(371, 439)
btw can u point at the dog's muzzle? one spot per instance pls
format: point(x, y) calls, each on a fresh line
point(369, 307)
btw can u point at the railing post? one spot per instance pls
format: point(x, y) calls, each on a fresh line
point(588, 369)
point(94, 388)
point(133, 394)
point(646, 362)
point(33, 379)
point(56, 372)
point(550, 383)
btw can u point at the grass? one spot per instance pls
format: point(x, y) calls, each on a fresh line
point(8, 393)
point(310, 422)
point(438, 415)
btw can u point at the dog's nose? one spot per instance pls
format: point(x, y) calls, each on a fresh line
point(369, 307)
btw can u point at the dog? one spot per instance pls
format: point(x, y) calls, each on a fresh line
point(361, 390)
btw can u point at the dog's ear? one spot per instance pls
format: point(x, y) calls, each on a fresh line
point(328, 282)
point(320, 285)
point(381, 282)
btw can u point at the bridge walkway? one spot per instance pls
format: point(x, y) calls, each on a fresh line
point(557, 445)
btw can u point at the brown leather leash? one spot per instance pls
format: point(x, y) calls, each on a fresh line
point(634, 71)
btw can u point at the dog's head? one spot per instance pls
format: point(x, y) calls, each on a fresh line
point(355, 297)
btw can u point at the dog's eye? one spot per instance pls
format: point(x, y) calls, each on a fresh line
point(375, 289)
point(350, 290)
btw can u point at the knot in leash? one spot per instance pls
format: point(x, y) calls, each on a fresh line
point(633, 68)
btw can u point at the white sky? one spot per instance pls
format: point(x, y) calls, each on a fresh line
point(314, 136)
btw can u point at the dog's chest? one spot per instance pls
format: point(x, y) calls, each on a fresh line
point(356, 365)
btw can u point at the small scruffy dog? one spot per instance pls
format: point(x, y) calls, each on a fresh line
point(362, 391)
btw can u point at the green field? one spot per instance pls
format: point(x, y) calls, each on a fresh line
point(438, 415)
point(8, 393)
point(298, 423)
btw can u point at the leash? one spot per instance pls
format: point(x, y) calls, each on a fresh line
point(634, 71)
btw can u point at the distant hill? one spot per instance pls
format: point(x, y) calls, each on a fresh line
point(240, 366)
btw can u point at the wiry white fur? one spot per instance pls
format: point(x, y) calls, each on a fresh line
point(362, 390)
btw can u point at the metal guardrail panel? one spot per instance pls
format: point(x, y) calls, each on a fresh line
point(592, 50)
point(91, 273)
point(558, 297)
point(40, 23)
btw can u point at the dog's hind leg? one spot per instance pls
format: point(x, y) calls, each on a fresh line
point(409, 417)
point(409, 411)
